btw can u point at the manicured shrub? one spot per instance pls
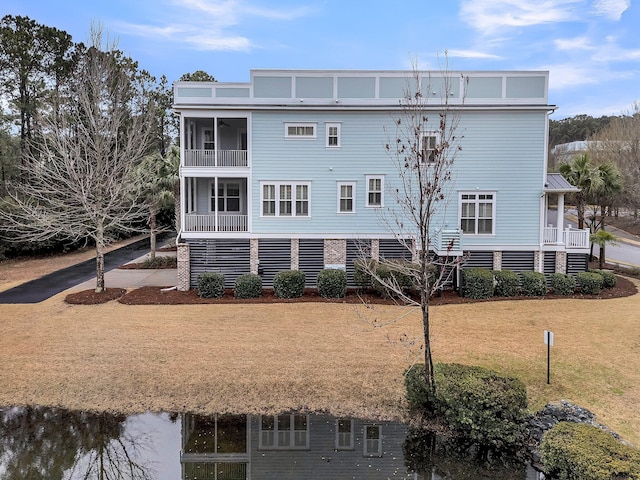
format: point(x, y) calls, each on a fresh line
point(582, 451)
point(248, 285)
point(609, 280)
point(478, 404)
point(563, 284)
point(477, 283)
point(160, 262)
point(533, 284)
point(362, 269)
point(507, 283)
point(289, 284)
point(332, 283)
point(590, 283)
point(211, 285)
point(396, 273)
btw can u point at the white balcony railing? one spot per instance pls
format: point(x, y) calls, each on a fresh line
point(216, 158)
point(570, 238)
point(216, 223)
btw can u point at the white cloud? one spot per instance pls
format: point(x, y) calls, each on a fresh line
point(471, 54)
point(569, 75)
point(611, 9)
point(490, 16)
point(572, 44)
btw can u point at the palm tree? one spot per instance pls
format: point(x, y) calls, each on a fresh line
point(582, 174)
point(601, 238)
point(156, 178)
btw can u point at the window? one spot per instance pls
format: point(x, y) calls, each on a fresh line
point(300, 131)
point(346, 194)
point(228, 197)
point(477, 213)
point(344, 434)
point(286, 432)
point(372, 441)
point(375, 191)
point(428, 147)
point(208, 140)
point(285, 199)
point(333, 135)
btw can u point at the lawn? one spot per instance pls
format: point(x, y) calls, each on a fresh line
point(322, 357)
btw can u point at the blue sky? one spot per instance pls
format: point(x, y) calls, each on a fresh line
point(590, 47)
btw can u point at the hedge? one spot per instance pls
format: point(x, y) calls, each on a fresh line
point(563, 284)
point(211, 285)
point(477, 283)
point(332, 283)
point(533, 284)
point(590, 283)
point(478, 404)
point(289, 284)
point(609, 280)
point(248, 285)
point(507, 283)
point(580, 451)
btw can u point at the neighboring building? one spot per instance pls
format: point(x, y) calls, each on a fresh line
point(289, 171)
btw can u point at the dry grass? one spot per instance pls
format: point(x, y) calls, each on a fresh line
point(322, 357)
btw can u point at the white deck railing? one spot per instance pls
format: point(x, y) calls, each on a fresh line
point(209, 223)
point(570, 238)
point(216, 158)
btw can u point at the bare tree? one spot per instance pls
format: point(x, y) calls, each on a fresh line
point(423, 147)
point(80, 176)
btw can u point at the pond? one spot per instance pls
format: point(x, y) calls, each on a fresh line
point(45, 443)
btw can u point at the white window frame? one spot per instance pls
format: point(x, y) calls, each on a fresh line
point(367, 451)
point(423, 147)
point(300, 125)
point(293, 435)
point(223, 183)
point(295, 200)
point(345, 440)
point(328, 126)
point(479, 197)
point(340, 198)
point(368, 178)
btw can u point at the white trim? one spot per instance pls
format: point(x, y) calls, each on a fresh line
point(300, 125)
point(339, 186)
point(276, 444)
point(431, 134)
point(366, 451)
point(476, 201)
point(294, 199)
point(345, 440)
point(367, 191)
point(327, 127)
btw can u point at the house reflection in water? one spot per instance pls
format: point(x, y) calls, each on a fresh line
point(242, 447)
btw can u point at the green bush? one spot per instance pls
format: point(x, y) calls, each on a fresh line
point(563, 284)
point(533, 284)
point(211, 285)
point(160, 262)
point(248, 285)
point(609, 280)
point(362, 269)
point(590, 283)
point(332, 283)
point(289, 284)
point(396, 273)
point(477, 283)
point(507, 283)
point(476, 403)
point(580, 451)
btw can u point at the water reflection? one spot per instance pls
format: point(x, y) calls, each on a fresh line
point(38, 443)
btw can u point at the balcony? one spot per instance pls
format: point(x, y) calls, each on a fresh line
point(216, 223)
point(571, 238)
point(215, 158)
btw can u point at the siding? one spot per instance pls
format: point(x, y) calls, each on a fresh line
point(577, 262)
point(518, 261)
point(356, 249)
point(274, 256)
point(479, 260)
point(311, 259)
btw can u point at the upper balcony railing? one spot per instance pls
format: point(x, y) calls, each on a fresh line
point(216, 158)
point(216, 223)
point(570, 237)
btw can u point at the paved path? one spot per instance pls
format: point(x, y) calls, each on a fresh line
point(83, 276)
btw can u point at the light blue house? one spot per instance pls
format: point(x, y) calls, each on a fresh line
point(289, 171)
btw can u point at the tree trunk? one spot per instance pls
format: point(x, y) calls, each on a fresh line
point(100, 260)
point(152, 225)
point(601, 259)
point(428, 360)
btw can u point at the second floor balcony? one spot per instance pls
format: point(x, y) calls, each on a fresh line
point(215, 142)
point(215, 158)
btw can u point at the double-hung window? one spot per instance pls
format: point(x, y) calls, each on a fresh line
point(285, 199)
point(285, 432)
point(375, 190)
point(346, 197)
point(300, 131)
point(372, 441)
point(344, 434)
point(333, 135)
point(428, 146)
point(477, 213)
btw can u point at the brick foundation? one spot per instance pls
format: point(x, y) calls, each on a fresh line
point(184, 267)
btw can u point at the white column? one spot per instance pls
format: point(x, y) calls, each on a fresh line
point(560, 218)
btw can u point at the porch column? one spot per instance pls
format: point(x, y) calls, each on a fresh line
point(215, 204)
point(560, 218)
